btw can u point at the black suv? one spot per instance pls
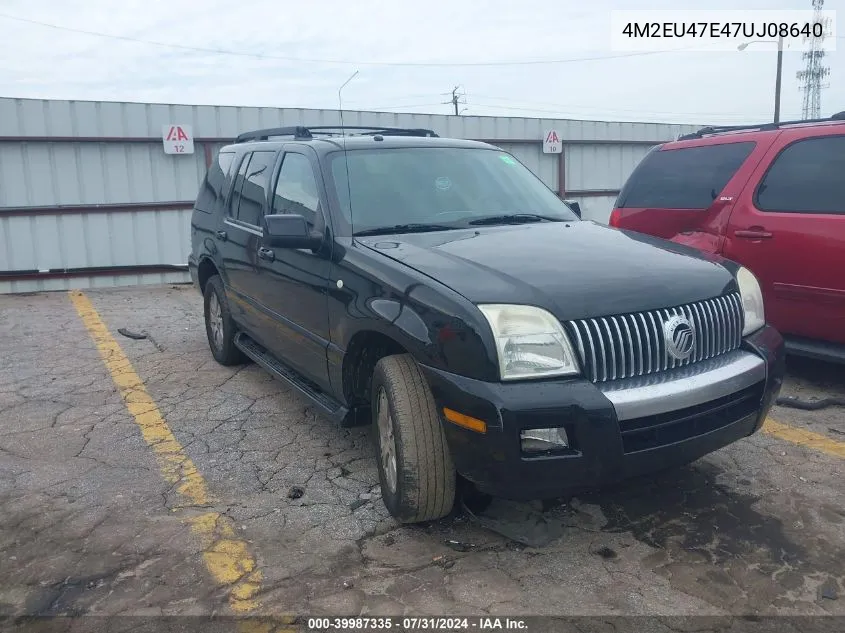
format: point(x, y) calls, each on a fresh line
point(437, 289)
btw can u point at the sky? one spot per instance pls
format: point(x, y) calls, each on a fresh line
point(524, 58)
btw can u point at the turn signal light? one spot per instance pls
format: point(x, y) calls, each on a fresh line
point(466, 421)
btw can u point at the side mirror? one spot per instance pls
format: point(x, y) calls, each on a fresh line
point(575, 206)
point(285, 230)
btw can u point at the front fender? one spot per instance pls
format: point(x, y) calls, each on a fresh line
point(438, 326)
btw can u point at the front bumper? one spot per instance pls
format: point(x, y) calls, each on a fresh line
point(617, 429)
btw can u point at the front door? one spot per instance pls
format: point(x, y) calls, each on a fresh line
point(790, 232)
point(293, 284)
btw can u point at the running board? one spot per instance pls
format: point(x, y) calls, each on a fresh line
point(817, 350)
point(327, 405)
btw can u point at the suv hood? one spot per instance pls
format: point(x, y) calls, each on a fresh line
point(575, 270)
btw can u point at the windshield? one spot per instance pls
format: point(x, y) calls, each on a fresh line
point(443, 186)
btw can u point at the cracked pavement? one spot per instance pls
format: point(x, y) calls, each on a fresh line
point(87, 522)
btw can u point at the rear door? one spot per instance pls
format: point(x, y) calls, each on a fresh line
point(242, 233)
point(683, 193)
point(789, 230)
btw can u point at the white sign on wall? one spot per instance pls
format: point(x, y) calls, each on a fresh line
point(177, 139)
point(551, 142)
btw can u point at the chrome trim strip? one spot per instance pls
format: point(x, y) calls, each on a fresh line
point(648, 341)
point(612, 350)
point(686, 386)
point(700, 333)
point(722, 327)
point(737, 312)
point(658, 366)
point(243, 227)
point(581, 353)
point(594, 367)
point(603, 356)
point(624, 373)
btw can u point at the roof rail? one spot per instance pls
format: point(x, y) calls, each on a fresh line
point(297, 131)
point(372, 131)
point(302, 133)
point(721, 129)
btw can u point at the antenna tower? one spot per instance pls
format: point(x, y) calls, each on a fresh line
point(814, 72)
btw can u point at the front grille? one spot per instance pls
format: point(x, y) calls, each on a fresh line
point(628, 345)
point(641, 434)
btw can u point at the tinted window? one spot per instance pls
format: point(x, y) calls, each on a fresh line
point(215, 183)
point(254, 191)
point(296, 188)
point(686, 178)
point(235, 200)
point(439, 185)
point(807, 177)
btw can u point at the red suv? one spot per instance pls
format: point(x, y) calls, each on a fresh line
point(771, 197)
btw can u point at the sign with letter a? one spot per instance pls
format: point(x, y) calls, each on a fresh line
point(551, 142)
point(177, 139)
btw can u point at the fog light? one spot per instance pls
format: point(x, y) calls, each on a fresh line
point(542, 440)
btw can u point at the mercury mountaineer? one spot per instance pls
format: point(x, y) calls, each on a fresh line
point(438, 290)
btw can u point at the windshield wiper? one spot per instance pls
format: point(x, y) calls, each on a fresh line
point(405, 228)
point(514, 218)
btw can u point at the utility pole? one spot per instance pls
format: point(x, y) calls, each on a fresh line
point(456, 99)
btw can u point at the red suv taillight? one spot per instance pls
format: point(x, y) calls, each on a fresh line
point(615, 218)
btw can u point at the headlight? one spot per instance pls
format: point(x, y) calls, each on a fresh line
point(752, 301)
point(530, 342)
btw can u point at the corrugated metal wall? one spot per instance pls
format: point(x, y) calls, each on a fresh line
point(89, 198)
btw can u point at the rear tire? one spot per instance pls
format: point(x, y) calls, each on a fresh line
point(219, 326)
point(415, 467)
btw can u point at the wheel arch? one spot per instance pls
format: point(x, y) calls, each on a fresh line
point(365, 349)
point(205, 271)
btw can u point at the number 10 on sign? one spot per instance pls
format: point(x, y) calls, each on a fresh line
point(551, 142)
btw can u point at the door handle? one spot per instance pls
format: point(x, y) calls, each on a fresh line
point(266, 253)
point(222, 235)
point(753, 234)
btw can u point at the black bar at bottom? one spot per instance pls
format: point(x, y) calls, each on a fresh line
point(526, 624)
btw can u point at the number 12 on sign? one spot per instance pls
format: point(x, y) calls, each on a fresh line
point(177, 139)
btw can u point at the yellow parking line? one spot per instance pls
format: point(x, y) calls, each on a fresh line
point(802, 437)
point(226, 556)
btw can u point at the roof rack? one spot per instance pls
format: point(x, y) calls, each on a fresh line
point(300, 132)
point(721, 129)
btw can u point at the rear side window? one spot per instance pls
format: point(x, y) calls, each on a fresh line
point(254, 191)
point(216, 182)
point(686, 178)
point(806, 177)
point(235, 200)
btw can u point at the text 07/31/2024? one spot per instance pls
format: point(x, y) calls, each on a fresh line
point(420, 623)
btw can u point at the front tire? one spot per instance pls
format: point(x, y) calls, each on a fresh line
point(219, 326)
point(415, 467)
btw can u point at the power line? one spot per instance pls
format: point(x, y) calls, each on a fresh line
point(412, 105)
point(344, 62)
point(562, 112)
point(565, 106)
